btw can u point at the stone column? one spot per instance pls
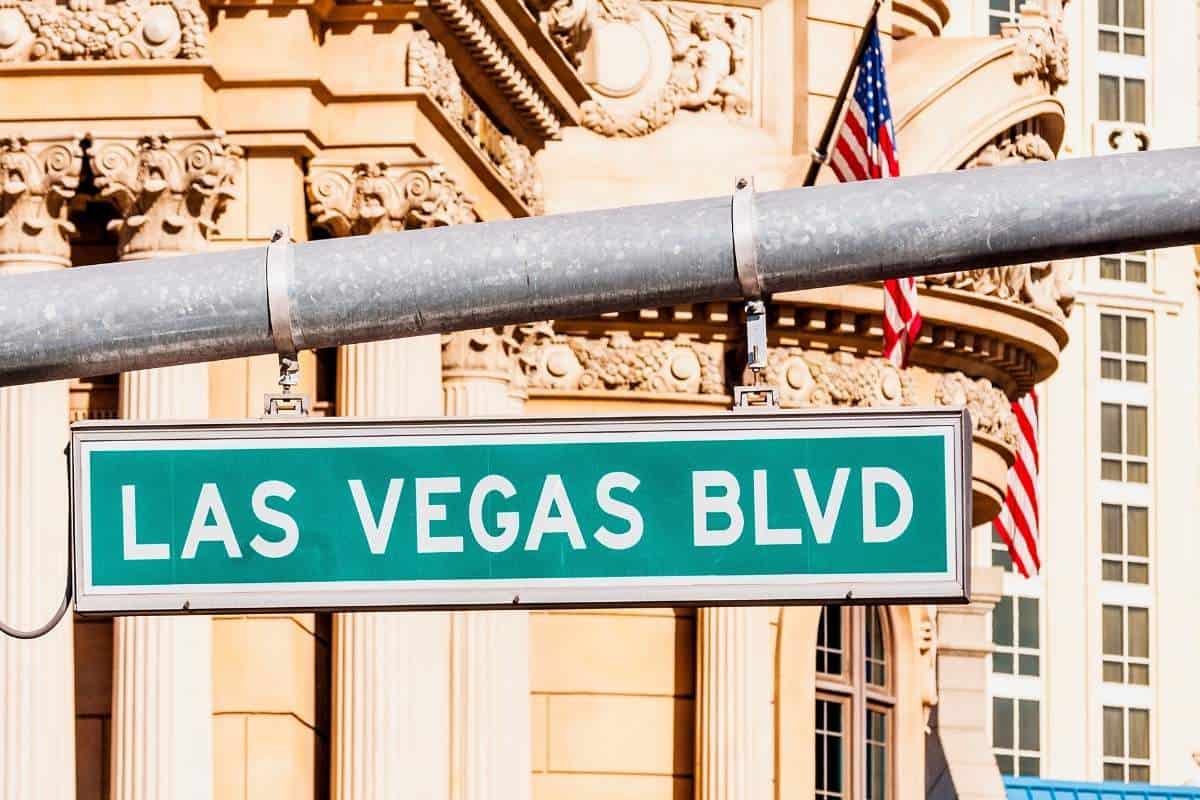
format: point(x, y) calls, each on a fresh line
point(169, 192)
point(960, 763)
point(37, 678)
point(391, 671)
point(491, 732)
point(733, 704)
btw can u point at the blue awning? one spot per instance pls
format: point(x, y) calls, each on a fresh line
point(1039, 789)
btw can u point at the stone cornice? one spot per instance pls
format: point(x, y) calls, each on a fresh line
point(515, 80)
point(39, 178)
point(169, 189)
point(364, 198)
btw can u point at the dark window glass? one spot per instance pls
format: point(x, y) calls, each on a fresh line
point(1113, 631)
point(1110, 529)
point(876, 755)
point(1110, 12)
point(1110, 428)
point(1139, 733)
point(829, 642)
point(1029, 734)
point(1138, 521)
point(1002, 723)
point(1110, 98)
point(1114, 733)
point(1135, 14)
point(1135, 100)
point(876, 656)
point(1137, 433)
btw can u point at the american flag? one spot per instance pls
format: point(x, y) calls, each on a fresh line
point(1017, 525)
point(865, 149)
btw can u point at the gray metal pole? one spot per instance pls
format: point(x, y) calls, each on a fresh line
point(117, 317)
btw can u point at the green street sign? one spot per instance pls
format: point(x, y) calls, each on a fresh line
point(857, 505)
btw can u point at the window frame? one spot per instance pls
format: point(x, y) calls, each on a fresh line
point(1123, 560)
point(1125, 660)
point(1122, 97)
point(1123, 457)
point(1017, 752)
point(1003, 16)
point(851, 688)
point(1121, 30)
point(1139, 258)
point(1122, 357)
point(1126, 762)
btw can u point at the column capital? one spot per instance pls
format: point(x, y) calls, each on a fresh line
point(503, 352)
point(377, 197)
point(40, 176)
point(169, 189)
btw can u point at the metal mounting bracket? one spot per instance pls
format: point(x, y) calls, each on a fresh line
point(284, 331)
point(745, 254)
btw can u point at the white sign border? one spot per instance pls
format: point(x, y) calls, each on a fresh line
point(950, 586)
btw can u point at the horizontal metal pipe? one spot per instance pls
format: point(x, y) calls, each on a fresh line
point(134, 315)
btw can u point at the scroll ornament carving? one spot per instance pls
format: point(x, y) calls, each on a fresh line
point(484, 350)
point(376, 197)
point(95, 30)
point(1046, 287)
point(430, 68)
point(812, 378)
point(1042, 44)
point(570, 23)
point(39, 180)
point(990, 409)
point(619, 362)
point(709, 70)
point(169, 192)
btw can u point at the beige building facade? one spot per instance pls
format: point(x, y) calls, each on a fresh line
point(137, 129)
point(1094, 639)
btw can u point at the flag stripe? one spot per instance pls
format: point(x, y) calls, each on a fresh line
point(1019, 524)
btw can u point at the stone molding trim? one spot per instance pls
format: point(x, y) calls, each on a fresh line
point(429, 67)
point(40, 176)
point(95, 30)
point(1043, 47)
point(814, 379)
point(708, 53)
point(169, 189)
point(497, 62)
point(364, 198)
point(618, 362)
point(503, 353)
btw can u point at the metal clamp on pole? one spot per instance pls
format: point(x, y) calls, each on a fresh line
point(286, 334)
point(754, 397)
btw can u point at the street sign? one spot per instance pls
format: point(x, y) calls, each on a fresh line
point(858, 505)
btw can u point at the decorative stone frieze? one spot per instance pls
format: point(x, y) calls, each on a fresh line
point(498, 63)
point(485, 350)
point(94, 30)
point(1019, 148)
point(353, 200)
point(1043, 48)
point(709, 70)
point(1046, 287)
point(808, 378)
point(430, 68)
point(990, 409)
point(169, 190)
point(570, 23)
point(39, 179)
point(618, 362)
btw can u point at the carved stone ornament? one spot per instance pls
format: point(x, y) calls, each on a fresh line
point(430, 68)
point(169, 191)
point(708, 66)
point(618, 362)
point(809, 378)
point(485, 351)
point(990, 409)
point(39, 180)
point(95, 30)
point(924, 619)
point(378, 197)
point(1043, 48)
point(1046, 287)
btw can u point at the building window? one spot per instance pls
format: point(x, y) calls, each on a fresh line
point(1016, 635)
point(1129, 267)
point(1123, 351)
point(1123, 27)
point(1126, 635)
point(1124, 443)
point(1125, 543)
point(1122, 99)
point(1126, 744)
point(855, 702)
point(1000, 12)
point(1016, 736)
